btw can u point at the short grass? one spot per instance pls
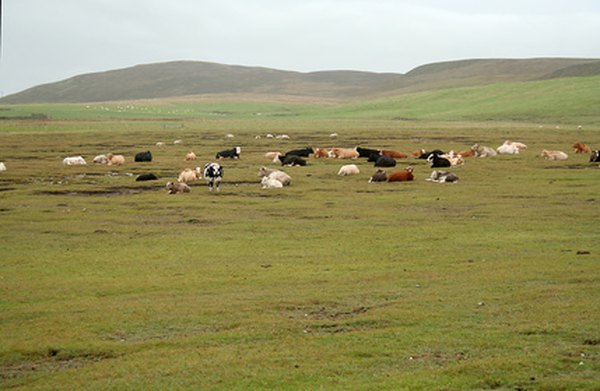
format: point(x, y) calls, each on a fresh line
point(558, 101)
point(332, 283)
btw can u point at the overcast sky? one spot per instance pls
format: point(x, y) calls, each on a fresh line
point(45, 41)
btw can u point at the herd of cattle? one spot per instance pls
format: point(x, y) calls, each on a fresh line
point(212, 172)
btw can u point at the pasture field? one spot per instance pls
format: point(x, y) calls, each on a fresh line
point(331, 283)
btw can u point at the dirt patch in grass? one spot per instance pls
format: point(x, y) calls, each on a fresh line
point(52, 361)
point(111, 191)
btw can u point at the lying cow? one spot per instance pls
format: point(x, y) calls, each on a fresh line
point(270, 183)
point(279, 175)
point(146, 177)
point(385, 161)
point(367, 152)
point(349, 169)
point(143, 156)
point(292, 160)
point(379, 176)
point(401, 176)
point(304, 152)
point(233, 153)
point(581, 148)
point(595, 156)
point(438, 161)
point(74, 161)
point(442, 177)
point(554, 155)
point(344, 153)
point(176, 188)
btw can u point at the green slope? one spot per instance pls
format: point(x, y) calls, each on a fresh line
point(562, 100)
point(568, 100)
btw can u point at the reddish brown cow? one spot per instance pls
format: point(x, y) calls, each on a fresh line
point(581, 148)
point(394, 154)
point(401, 176)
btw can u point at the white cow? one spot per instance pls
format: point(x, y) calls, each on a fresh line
point(508, 148)
point(74, 161)
point(270, 183)
point(2, 167)
point(349, 169)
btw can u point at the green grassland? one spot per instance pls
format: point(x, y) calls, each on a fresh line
point(557, 101)
point(331, 283)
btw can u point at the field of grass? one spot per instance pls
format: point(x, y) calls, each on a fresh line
point(557, 101)
point(332, 283)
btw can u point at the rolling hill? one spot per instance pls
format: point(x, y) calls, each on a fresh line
point(186, 78)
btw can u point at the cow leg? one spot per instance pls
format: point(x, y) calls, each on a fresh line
point(218, 180)
point(210, 185)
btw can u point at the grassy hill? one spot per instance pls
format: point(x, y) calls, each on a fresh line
point(187, 78)
point(568, 100)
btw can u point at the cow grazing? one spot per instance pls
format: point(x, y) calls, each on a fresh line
point(281, 176)
point(213, 173)
point(483, 151)
point(438, 161)
point(100, 159)
point(379, 176)
point(394, 154)
point(143, 156)
point(304, 152)
point(385, 161)
point(146, 177)
point(187, 175)
point(595, 157)
point(349, 169)
point(401, 176)
point(115, 160)
point(442, 177)
point(292, 160)
point(321, 152)
point(176, 188)
point(344, 153)
point(270, 183)
point(554, 155)
point(581, 148)
point(74, 161)
point(233, 153)
point(508, 149)
point(367, 152)
point(190, 156)
point(2, 167)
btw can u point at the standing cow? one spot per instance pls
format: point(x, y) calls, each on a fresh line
point(213, 173)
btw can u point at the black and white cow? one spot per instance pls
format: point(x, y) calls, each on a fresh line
point(143, 156)
point(385, 161)
point(233, 153)
point(379, 176)
point(304, 152)
point(426, 155)
point(292, 160)
point(438, 161)
point(213, 173)
point(595, 156)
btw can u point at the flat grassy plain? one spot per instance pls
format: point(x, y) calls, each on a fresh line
point(331, 283)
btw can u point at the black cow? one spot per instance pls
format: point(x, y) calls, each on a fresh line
point(437, 161)
point(367, 152)
point(233, 153)
point(292, 160)
point(374, 156)
point(379, 176)
point(595, 156)
point(146, 177)
point(385, 161)
point(213, 173)
point(304, 152)
point(143, 156)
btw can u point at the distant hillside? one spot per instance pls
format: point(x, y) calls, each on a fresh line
point(184, 78)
